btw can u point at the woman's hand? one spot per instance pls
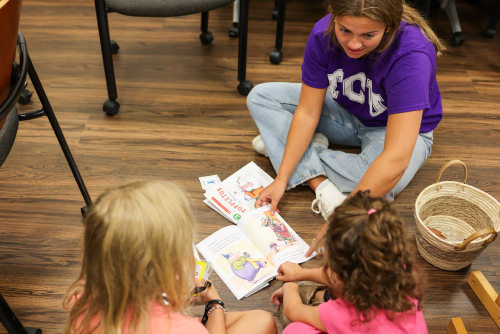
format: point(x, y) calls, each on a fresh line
point(271, 195)
point(317, 243)
point(289, 272)
point(277, 297)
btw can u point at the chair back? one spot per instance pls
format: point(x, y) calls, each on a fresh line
point(10, 11)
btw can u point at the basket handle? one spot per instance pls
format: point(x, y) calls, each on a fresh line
point(476, 235)
point(448, 164)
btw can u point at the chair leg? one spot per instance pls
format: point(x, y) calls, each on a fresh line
point(233, 29)
point(490, 30)
point(456, 38)
point(10, 321)
point(276, 55)
point(244, 86)
point(206, 36)
point(111, 106)
point(47, 108)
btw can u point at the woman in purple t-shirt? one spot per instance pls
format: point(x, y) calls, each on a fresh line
point(368, 80)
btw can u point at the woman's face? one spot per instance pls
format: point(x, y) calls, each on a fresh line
point(358, 35)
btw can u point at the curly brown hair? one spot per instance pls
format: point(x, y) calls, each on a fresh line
point(366, 250)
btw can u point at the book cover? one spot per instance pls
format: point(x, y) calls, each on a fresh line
point(235, 196)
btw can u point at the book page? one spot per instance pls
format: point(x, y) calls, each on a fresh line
point(236, 195)
point(273, 237)
point(237, 262)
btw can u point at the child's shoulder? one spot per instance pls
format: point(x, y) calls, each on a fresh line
point(340, 316)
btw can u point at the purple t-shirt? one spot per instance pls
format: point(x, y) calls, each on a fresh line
point(402, 78)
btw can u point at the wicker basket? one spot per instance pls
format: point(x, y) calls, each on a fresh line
point(468, 217)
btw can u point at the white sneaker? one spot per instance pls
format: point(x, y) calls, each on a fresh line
point(328, 197)
point(319, 139)
point(258, 146)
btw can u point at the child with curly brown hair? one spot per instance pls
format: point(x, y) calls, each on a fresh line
point(367, 272)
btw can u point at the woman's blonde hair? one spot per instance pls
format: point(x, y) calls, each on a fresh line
point(366, 249)
point(388, 12)
point(138, 244)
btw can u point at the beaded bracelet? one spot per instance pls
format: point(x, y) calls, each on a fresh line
point(215, 307)
point(209, 307)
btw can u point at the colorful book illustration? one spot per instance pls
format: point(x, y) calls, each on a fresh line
point(236, 195)
point(247, 256)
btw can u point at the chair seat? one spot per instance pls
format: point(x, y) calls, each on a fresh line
point(8, 134)
point(163, 8)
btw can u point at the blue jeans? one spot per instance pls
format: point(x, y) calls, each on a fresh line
point(272, 106)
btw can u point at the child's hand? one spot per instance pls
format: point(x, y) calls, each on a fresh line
point(289, 272)
point(277, 297)
point(209, 293)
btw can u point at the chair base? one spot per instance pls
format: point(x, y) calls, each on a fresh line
point(111, 107)
point(276, 56)
point(245, 87)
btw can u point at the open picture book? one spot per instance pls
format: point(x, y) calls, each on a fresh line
point(235, 196)
point(246, 256)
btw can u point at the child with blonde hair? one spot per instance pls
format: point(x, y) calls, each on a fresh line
point(367, 271)
point(138, 268)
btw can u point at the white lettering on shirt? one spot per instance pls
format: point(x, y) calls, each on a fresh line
point(349, 87)
point(333, 78)
point(376, 107)
point(375, 101)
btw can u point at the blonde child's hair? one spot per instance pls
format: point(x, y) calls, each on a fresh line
point(388, 12)
point(138, 244)
point(366, 249)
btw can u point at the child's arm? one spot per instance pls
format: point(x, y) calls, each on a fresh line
point(292, 272)
point(216, 323)
point(295, 310)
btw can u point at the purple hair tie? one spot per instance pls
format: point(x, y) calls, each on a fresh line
point(371, 211)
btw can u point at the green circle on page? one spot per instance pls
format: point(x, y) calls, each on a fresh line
point(237, 216)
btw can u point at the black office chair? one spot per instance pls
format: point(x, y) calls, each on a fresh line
point(12, 85)
point(165, 8)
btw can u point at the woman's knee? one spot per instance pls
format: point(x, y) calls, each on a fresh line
point(258, 95)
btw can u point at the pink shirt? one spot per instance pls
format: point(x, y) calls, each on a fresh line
point(339, 316)
point(162, 321)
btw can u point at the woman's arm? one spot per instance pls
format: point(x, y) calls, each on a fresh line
point(388, 168)
point(295, 310)
point(304, 123)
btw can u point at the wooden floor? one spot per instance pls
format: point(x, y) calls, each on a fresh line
point(182, 118)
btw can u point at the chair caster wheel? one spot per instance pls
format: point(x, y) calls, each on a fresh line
point(25, 97)
point(245, 87)
point(276, 56)
point(490, 32)
point(234, 30)
point(457, 39)
point(111, 107)
point(114, 47)
point(275, 13)
point(206, 37)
